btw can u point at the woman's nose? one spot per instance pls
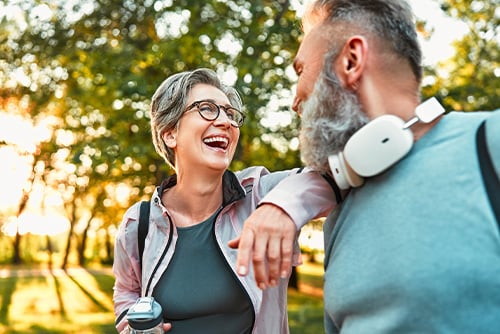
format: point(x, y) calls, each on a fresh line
point(222, 119)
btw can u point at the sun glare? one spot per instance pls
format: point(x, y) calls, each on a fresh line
point(36, 224)
point(21, 137)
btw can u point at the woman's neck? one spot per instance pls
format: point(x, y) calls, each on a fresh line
point(193, 199)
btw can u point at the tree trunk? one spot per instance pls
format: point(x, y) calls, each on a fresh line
point(109, 247)
point(72, 223)
point(83, 242)
point(294, 279)
point(64, 264)
point(83, 245)
point(49, 251)
point(16, 256)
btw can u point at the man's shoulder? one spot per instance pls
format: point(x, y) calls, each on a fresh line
point(468, 116)
point(462, 122)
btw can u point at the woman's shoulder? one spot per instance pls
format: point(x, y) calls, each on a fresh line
point(132, 213)
point(252, 171)
point(129, 221)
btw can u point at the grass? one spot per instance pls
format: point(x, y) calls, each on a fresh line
point(74, 302)
point(305, 307)
point(80, 301)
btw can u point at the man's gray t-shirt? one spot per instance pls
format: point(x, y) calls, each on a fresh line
point(416, 249)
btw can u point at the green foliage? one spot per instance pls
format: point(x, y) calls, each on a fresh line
point(88, 69)
point(93, 67)
point(305, 313)
point(470, 80)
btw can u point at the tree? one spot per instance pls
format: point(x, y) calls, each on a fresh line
point(93, 66)
point(470, 79)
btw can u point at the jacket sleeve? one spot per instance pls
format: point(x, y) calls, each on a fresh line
point(126, 268)
point(303, 196)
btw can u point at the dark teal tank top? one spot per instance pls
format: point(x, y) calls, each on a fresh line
point(198, 292)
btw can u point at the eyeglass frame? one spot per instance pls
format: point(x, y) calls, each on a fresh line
point(219, 107)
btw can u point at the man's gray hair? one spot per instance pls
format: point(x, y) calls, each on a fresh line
point(389, 21)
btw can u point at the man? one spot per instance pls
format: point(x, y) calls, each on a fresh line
point(416, 248)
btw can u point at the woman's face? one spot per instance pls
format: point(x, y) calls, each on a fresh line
point(199, 143)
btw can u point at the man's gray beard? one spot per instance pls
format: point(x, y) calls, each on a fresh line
point(329, 118)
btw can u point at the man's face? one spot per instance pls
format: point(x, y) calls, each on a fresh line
point(308, 64)
point(330, 112)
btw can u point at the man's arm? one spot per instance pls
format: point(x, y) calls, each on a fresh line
point(269, 234)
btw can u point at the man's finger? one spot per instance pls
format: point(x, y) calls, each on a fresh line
point(287, 253)
point(234, 243)
point(274, 259)
point(245, 249)
point(259, 260)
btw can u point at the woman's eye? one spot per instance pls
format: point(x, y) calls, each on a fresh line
point(207, 108)
point(230, 114)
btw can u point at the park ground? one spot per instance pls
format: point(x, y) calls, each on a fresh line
point(36, 300)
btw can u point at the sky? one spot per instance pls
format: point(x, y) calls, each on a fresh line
point(446, 30)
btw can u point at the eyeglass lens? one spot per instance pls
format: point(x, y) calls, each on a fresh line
point(210, 111)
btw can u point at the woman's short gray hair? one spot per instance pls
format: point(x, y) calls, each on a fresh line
point(169, 102)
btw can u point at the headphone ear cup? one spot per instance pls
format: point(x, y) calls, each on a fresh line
point(378, 145)
point(371, 150)
point(343, 174)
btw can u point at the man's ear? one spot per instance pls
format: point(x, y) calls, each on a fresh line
point(352, 61)
point(169, 137)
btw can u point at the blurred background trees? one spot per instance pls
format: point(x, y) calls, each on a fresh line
point(81, 73)
point(469, 80)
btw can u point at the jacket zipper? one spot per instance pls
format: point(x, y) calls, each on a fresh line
point(158, 263)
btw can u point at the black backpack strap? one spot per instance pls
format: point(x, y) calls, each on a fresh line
point(490, 178)
point(335, 187)
point(142, 230)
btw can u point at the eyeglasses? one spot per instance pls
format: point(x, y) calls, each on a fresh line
point(210, 111)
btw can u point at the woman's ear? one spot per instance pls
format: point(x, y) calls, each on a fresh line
point(169, 138)
point(352, 62)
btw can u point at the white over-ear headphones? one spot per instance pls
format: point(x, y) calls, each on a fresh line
point(378, 145)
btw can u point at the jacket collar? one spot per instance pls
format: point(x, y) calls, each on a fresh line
point(232, 190)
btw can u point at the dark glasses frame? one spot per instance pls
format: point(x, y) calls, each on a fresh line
point(236, 117)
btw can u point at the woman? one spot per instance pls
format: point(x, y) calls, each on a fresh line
point(187, 265)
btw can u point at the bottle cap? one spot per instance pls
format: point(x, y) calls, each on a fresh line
point(146, 313)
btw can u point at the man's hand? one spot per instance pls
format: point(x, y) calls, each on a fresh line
point(267, 239)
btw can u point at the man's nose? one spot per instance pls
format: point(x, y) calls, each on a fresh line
point(296, 104)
